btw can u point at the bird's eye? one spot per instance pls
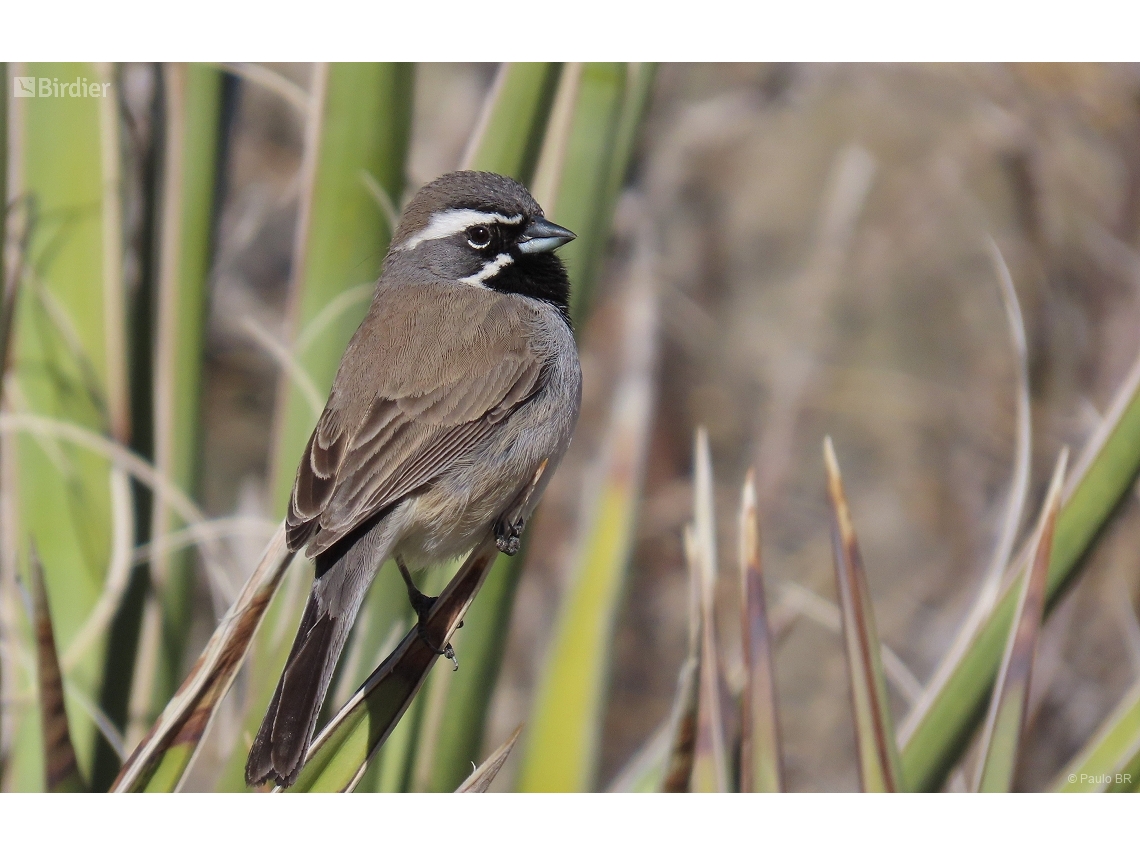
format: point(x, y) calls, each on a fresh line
point(479, 237)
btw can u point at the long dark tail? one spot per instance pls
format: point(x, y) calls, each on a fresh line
point(343, 576)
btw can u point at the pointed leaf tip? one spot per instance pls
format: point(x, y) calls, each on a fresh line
point(482, 777)
point(760, 756)
point(61, 768)
point(1005, 722)
point(874, 727)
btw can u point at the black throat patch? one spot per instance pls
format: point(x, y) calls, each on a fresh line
point(541, 276)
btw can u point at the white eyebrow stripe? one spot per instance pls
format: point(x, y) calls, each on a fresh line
point(447, 223)
point(489, 269)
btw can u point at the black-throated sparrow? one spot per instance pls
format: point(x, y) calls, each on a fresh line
point(462, 378)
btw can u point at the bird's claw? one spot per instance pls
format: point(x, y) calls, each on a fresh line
point(507, 536)
point(448, 652)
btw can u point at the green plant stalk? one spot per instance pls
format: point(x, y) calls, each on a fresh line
point(178, 448)
point(430, 706)
point(65, 355)
point(511, 130)
point(1005, 723)
point(582, 203)
point(122, 633)
point(189, 178)
point(1110, 755)
point(361, 130)
point(481, 644)
point(507, 142)
point(356, 139)
point(939, 731)
point(386, 608)
point(563, 746)
point(391, 770)
point(613, 103)
point(562, 755)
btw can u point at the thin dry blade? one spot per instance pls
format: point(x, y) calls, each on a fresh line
point(710, 761)
point(480, 779)
point(760, 763)
point(682, 726)
point(161, 759)
point(874, 728)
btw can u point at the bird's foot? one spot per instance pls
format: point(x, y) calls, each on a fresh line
point(507, 535)
point(422, 605)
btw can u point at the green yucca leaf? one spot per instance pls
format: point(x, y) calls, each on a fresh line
point(874, 728)
point(711, 766)
point(664, 763)
point(383, 620)
point(1009, 706)
point(547, 178)
point(390, 771)
point(507, 141)
point(432, 710)
point(192, 107)
point(513, 124)
point(1110, 761)
point(941, 722)
point(610, 117)
point(68, 363)
point(575, 183)
point(580, 198)
point(356, 141)
point(760, 764)
point(61, 770)
point(563, 747)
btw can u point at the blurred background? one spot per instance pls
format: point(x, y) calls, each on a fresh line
point(797, 251)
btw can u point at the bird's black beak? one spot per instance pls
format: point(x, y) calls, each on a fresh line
point(543, 236)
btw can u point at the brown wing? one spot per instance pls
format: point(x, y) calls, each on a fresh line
point(406, 406)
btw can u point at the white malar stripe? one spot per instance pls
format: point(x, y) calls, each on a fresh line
point(447, 223)
point(491, 268)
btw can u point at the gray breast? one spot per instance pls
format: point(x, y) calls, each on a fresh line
point(455, 513)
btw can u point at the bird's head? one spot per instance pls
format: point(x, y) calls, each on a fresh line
point(484, 230)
